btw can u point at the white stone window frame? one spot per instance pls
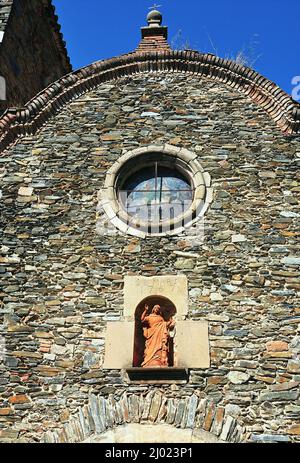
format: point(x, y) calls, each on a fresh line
point(186, 161)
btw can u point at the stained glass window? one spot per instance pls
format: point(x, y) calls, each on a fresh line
point(156, 193)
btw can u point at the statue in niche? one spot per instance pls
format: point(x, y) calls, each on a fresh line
point(156, 331)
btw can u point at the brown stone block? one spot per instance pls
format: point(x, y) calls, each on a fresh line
point(133, 247)
point(265, 379)
point(293, 366)
point(9, 434)
point(39, 309)
point(148, 268)
point(293, 286)
point(92, 375)
point(204, 299)
point(6, 411)
point(19, 329)
point(43, 335)
point(64, 416)
point(288, 233)
point(175, 141)
point(52, 303)
point(65, 364)
point(25, 354)
point(284, 378)
point(9, 260)
point(46, 370)
point(286, 386)
point(110, 137)
point(294, 430)
point(23, 236)
point(89, 334)
point(64, 228)
point(45, 349)
point(113, 277)
point(224, 164)
point(225, 343)
point(209, 417)
point(95, 301)
point(19, 399)
point(216, 329)
point(286, 355)
point(216, 355)
point(277, 346)
point(183, 244)
point(87, 248)
point(280, 226)
point(215, 380)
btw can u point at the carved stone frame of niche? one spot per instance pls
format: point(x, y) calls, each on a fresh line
point(191, 338)
point(182, 159)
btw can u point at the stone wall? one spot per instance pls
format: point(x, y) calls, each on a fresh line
point(62, 279)
point(32, 53)
point(99, 415)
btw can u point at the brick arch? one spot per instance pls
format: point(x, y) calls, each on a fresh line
point(282, 109)
point(103, 414)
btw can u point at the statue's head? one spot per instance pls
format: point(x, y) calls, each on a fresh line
point(156, 309)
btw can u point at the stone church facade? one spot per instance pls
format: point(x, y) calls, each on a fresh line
point(76, 266)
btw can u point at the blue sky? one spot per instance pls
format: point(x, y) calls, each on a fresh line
point(266, 31)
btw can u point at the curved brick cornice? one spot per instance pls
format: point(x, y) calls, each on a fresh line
point(283, 110)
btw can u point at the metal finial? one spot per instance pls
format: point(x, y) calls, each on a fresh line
point(154, 7)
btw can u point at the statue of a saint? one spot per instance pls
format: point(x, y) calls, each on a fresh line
point(156, 331)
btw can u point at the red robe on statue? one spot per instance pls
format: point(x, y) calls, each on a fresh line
point(156, 346)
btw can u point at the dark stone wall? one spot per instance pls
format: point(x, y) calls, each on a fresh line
point(32, 54)
point(62, 279)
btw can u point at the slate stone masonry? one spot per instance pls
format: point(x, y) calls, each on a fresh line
point(62, 280)
point(25, 121)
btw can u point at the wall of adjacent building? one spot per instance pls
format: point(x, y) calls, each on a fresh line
point(32, 51)
point(62, 278)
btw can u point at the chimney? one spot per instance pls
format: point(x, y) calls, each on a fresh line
point(154, 36)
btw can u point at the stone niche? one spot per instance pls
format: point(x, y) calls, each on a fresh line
point(124, 341)
point(139, 288)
